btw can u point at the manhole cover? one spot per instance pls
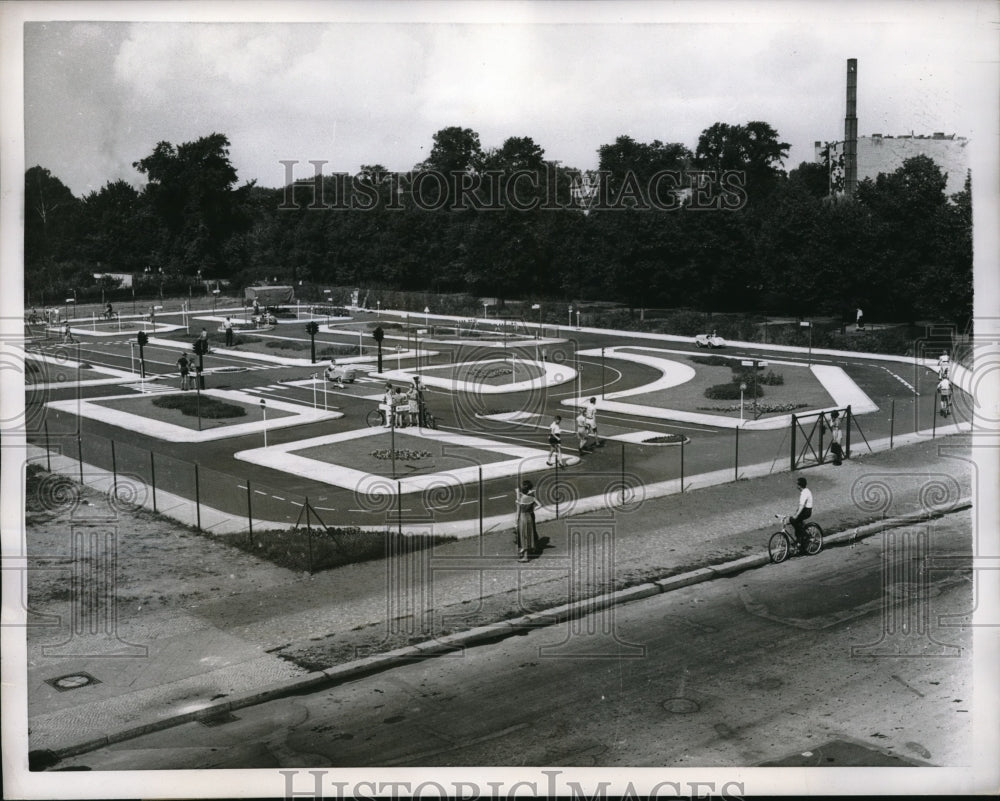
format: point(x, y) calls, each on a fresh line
point(681, 706)
point(217, 719)
point(72, 681)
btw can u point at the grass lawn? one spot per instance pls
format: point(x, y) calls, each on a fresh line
point(800, 386)
point(414, 455)
point(143, 406)
point(36, 372)
point(493, 373)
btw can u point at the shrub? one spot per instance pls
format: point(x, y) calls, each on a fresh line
point(338, 350)
point(714, 361)
point(329, 548)
point(287, 344)
point(731, 391)
point(210, 407)
point(770, 378)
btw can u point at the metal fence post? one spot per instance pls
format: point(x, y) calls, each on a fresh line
point(850, 422)
point(250, 512)
point(399, 507)
point(934, 415)
point(48, 448)
point(736, 457)
point(114, 470)
point(556, 488)
point(79, 454)
point(480, 502)
point(623, 473)
point(682, 465)
point(309, 535)
point(794, 424)
point(152, 477)
point(892, 421)
point(197, 498)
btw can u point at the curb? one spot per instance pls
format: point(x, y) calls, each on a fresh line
point(492, 632)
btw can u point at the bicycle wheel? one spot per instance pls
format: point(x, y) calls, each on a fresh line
point(375, 418)
point(814, 539)
point(777, 547)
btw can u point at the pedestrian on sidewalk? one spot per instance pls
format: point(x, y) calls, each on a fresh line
point(203, 336)
point(184, 366)
point(388, 402)
point(526, 530)
point(944, 390)
point(805, 510)
point(860, 319)
point(943, 365)
point(590, 412)
point(836, 447)
point(228, 326)
point(555, 443)
point(67, 334)
point(582, 433)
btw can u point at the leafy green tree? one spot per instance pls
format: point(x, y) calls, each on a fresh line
point(192, 189)
point(753, 149)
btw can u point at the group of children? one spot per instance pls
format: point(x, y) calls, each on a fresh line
point(403, 408)
point(586, 434)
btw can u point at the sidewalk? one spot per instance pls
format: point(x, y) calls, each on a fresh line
point(295, 631)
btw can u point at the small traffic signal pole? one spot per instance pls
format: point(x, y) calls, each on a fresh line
point(378, 334)
point(312, 329)
point(142, 338)
point(263, 411)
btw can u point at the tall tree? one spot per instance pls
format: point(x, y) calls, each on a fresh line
point(192, 188)
point(753, 149)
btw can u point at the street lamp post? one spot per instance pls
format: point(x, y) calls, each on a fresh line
point(756, 364)
point(263, 411)
point(215, 298)
point(427, 311)
point(743, 388)
point(602, 373)
point(569, 323)
point(577, 319)
point(808, 324)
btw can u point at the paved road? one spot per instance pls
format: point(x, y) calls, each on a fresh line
point(279, 496)
point(797, 663)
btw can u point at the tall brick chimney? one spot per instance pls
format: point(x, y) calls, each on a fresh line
point(851, 130)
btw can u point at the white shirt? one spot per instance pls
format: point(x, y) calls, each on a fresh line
point(554, 430)
point(228, 324)
point(944, 386)
point(806, 498)
point(590, 411)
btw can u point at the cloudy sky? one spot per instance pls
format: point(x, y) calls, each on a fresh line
point(99, 94)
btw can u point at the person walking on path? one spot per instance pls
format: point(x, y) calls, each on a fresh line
point(943, 365)
point(582, 433)
point(944, 390)
point(555, 443)
point(526, 531)
point(228, 326)
point(67, 334)
point(836, 446)
point(184, 366)
point(421, 409)
point(590, 412)
point(860, 319)
point(805, 510)
point(203, 336)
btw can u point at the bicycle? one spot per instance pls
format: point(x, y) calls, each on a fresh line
point(376, 417)
point(785, 541)
point(945, 405)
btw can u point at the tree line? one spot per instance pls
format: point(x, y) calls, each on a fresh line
point(722, 227)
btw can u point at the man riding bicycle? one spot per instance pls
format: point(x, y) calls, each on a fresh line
point(804, 512)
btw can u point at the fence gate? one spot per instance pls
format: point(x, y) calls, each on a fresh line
point(812, 437)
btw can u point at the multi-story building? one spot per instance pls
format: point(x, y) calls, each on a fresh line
point(878, 153)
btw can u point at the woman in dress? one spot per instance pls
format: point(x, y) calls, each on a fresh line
point(527, 534)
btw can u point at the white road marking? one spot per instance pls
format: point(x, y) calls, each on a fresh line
point(903, 381)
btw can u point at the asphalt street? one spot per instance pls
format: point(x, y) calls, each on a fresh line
point(852, 657)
